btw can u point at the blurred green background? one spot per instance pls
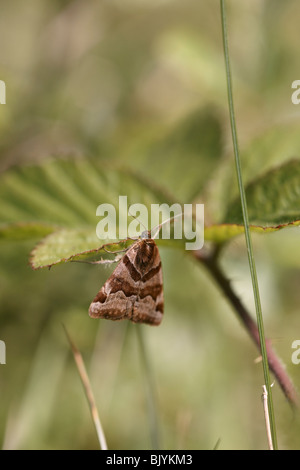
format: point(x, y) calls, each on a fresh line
point(141, 83)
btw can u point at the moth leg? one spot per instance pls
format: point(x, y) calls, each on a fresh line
point(100, 261)
point(117, 251)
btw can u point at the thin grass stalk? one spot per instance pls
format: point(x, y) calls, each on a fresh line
point(88, 391)
point(247, 230)
point(267, 417)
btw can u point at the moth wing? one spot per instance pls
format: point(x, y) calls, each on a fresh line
point(111, 302)
point(134, 290)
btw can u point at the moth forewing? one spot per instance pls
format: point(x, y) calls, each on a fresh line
point(134, 291)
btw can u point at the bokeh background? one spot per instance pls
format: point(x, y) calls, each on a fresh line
point(142, 84)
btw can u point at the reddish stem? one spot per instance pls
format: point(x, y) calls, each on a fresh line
point(275, 364)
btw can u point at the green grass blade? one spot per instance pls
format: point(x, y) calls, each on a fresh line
point(247, 230)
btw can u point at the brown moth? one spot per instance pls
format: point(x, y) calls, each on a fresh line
point(134, 291)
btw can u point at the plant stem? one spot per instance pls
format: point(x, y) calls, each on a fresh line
point(247, 231)
point(275, 364)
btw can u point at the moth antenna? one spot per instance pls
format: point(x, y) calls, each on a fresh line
point(139, 221)
point(158, 228)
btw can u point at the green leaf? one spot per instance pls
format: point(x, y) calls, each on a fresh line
point(66, 193)
point(272, 199)
point(58, 199)
point(220, 233)
point(80, 245)
point(184, 158)
point(24, 231)
point(273, 202)
point(271, 147)
point(71, 245)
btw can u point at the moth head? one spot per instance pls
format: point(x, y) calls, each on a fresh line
point(146, 234)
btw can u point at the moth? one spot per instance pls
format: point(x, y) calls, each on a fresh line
point(134, 291)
